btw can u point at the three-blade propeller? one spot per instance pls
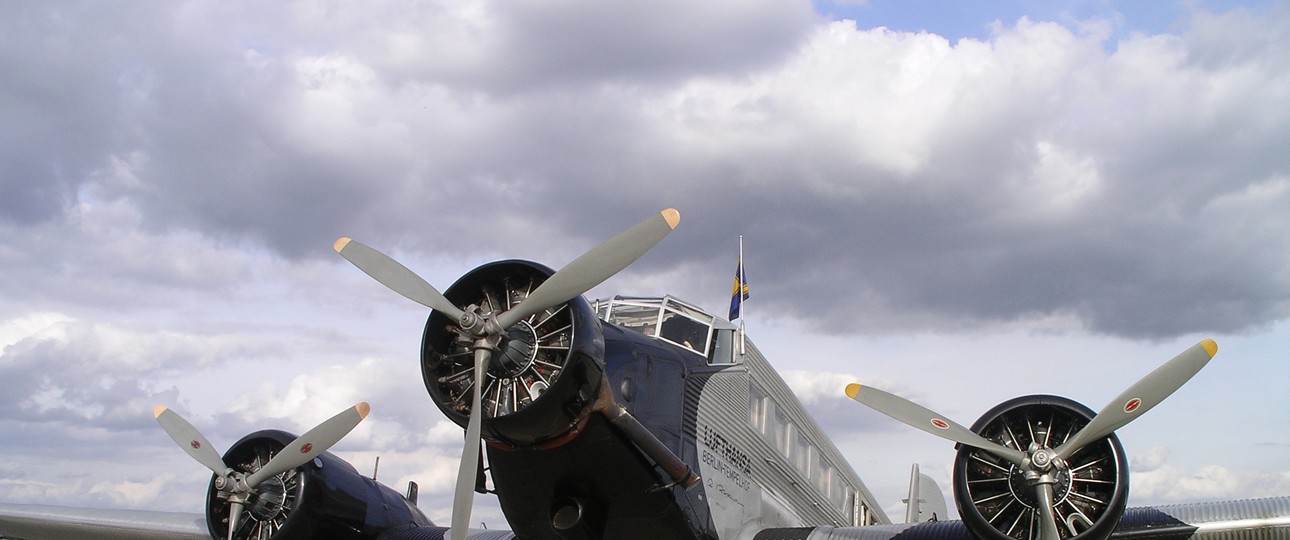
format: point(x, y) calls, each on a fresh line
point(239, 486)
point(1041, 463)
point(488, 329)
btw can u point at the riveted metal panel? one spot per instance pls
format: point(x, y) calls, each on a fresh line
point(747, 476)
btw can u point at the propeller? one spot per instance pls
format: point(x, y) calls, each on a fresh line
point(488, 329)
point(395, 276)
point(238, 486)
point(916, 415)
point(1040, 464)
point(594, 266)
point(1142, 396)
point(464, 496)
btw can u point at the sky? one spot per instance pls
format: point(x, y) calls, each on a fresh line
point(959, 204)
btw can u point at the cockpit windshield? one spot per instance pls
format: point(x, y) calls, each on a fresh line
point(670, 320)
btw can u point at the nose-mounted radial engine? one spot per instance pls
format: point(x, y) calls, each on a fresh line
point(518, 340)
point(545, 374)
point(1044, 467)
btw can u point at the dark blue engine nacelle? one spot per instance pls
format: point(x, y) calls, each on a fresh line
point(325, 498)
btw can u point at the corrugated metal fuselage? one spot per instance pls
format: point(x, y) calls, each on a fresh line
point(706, 415)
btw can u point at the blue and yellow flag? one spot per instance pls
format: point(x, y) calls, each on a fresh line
point(739, 292)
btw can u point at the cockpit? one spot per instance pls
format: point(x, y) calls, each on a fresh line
point(674, 321)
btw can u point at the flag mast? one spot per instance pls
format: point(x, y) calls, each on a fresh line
point(743, 286)
point(738, 294)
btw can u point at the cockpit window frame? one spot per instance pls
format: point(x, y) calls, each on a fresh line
point(691, 329)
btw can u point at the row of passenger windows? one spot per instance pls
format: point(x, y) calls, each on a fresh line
point(785, 436)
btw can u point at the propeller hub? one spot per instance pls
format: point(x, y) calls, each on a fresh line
point(477, 324)
point(1042, 459)
point(517, 351)
point(1022, 484)
point(469, 321)
point(270, 496)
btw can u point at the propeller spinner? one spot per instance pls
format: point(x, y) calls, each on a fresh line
point(240, 487)
point(487, 330)
point(1041, 463)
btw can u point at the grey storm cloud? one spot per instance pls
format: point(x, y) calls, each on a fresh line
point(885, 181)
point(75, 377)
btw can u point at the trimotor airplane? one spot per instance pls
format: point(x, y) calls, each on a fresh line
point(647, 418)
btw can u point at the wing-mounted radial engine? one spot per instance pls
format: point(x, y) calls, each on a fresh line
point(272, 485)
point(545, 374)
point(1043, 467)
point(994, 496)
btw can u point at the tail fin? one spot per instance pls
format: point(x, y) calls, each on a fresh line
point(412, 492)
point(926, 502)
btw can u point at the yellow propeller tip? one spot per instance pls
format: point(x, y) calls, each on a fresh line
point(672, 217)
point(852, 390)
point(340, 244)
point(1210, 347)
point(363, 408)
point(156, 411)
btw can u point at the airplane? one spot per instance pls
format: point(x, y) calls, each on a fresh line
point(648, 418)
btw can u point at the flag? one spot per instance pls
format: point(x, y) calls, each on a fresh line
point(739, 292)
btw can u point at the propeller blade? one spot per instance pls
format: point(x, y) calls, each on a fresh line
point(1047, 520)
point(916, 415)
point(464, 497)
point(1142, 396)
point(312, 443)
point(594, 266)
point(395, 276)
point(234, 517)
point(191, 440)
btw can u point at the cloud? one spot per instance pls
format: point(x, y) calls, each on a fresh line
point(1042, 172)
point(132, 494)
point(66, 370)
point(399, 401)
point(1156, 481)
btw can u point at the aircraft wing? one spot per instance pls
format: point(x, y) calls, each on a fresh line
point(1253, 519)
point(39, 522)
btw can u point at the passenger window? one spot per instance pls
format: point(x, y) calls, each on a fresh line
point(757, 408)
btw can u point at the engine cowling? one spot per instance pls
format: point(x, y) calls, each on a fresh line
point(325, 498)
point(997, 502)
point(547, 372)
